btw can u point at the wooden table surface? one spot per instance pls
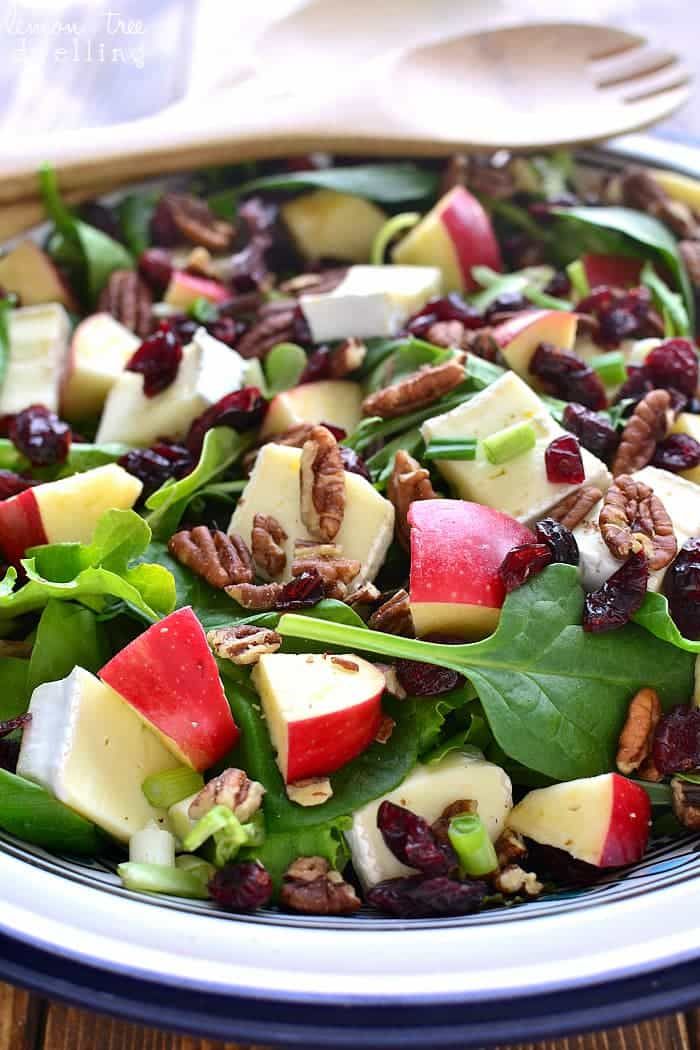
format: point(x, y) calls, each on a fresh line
point(43, 90)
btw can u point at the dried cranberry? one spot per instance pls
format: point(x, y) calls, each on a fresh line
point(522, 563)
point(242, 410)
point(682, 588)
point(338, 433)
point(416, 897)
point(301, 592)
point(226, 329)
point(156, 268)
point(612, 605)
point(507, 303)
point(615, 325)
point(411, 840)
point(676, 453)
point(556, 865)
point(102, 218)
point(674, 364)
point(164, 229)
point(157, 360)
point(241, 887)
point(10, 724)
point(353, 463)
point(620, 314)
point(677, 740)
point(40, 436)
point(567, 376)
point(595, 432)
point(317, 366)
point(12, 484)
point(450, 308)
point(563, 463)
point(559, 285)
point(154, 466)
point(561, 542)
point(636, 386)
point(419, 679)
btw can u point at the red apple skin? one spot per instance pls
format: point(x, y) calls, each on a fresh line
point(319, 746)
point(456, 550)
point(170, 678)
point(628, 831)
point(471, 233)
point(196, 287)
point(614, 270)
point(509, 330)
point(21, 526)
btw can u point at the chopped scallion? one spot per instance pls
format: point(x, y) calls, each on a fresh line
point(611, 367)
point(158, 878)
point(510, 442)
point(397, 224)
point(163, 790)
point(576, 272)
point(446, 448)
point(471, 843)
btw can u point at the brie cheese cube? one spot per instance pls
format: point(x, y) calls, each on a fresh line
point(208, 370)
point(274, 488)
point(680, 497)
point(86, 746)
point(39, 338)
point(427, 791)
point(370, 301)
point(520, 486)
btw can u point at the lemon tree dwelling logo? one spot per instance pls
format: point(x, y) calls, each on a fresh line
point(105, 36)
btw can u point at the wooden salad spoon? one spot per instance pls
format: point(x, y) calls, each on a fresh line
point(522, 87)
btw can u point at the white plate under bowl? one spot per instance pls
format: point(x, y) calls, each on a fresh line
point(628, 946)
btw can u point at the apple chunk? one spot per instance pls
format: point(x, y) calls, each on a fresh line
point(170, 678)
point(456, 549)
point(185, 288)
point(519, 337)
point(64, 511)
point(321, 710)
point(27, 271)
point(99, 352)
point(336, 401)
point(455, 236)
point(602, 820)
point(326, 224)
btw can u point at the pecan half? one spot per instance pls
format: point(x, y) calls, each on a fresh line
point(313, 791)
point(310, 885)
point(274, 324)
point(386, 728)
point(513, 879)
point(365, 594)
point(647, 425)
point(127, 297)
point(416, 391)
point(633, 519)
point(322, 485)
point(571, 510)
point(267, 539)
point(510, 848)
point(314, 283)
point(394, 616)
point(637, 736)
point(257, 597)
point(220, 559)
point(233, 789)
point(327, 560)
point(441, 826)
point(640, 190)
point(685, 802)
point(690, 250)
point(196, 222)
point(243, 643)
point(409, 482)
point(346, 358)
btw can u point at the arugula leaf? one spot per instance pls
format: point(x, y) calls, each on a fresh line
point(388, 183)
point(284, 364)
point(97, 256)
point(68, 636)
point(654, 617)
point(432, 714)
point(669, 303)
point(381, 464)
point(555, 696)
point(14, 687)
point(33, 815)
point(622, 231)
point(134, 212)
point(5, 310)
point(222, 447)
point(377, 770)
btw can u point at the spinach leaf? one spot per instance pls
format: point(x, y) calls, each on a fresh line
point(5, 310)
point(222, 447)
point(15, 692)
point(96, 254)
point(622, 231)
point(554, 695)
point(134, 212)
point(654, 617)
point(282, 848)
point(670, 304)
point(377, 770)
point(388, 183)
point(68, 636)
point(33, 815)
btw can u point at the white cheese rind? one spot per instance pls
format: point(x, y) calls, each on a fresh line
point(427, 791)
point(680, 497)
point(519, 487)
point(370, 301)
point(208, 370)
point(274, 488)
point(86, 746)
point(39, 343)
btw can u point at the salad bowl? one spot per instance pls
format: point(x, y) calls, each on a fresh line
point(585, 952)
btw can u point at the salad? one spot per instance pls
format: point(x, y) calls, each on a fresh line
point(350, 521)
